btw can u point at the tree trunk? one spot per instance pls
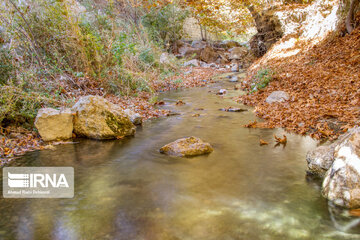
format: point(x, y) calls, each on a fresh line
point(350, 16)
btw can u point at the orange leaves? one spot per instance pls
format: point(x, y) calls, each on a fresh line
point(324, 83)
point(251, 125)
point(281, 140)
point(262, 142)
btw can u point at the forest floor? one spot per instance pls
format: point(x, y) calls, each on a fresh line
point(15, 141)
point(323, 82)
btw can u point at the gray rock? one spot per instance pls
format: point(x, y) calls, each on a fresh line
point(235, 67)
point(54, 124)
point(193, 63)
point(277, 96)
point(234, 79)
point(321, 159)
point(342, 181)
point(198, 44)
point(135, 118)
point(164, 58)
point(97, 118)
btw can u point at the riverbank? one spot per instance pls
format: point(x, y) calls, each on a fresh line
point(17, 140)
point(323, 83)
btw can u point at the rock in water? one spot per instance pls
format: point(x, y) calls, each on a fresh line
point(277, 96)
point(98, 118)
point(187, 147)
point(54, 124)
point(235, 67)
point(320, 160)
point(342, 181)
point(135, 118)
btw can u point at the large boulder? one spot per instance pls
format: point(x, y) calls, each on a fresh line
point(54, 124)
point(198, 44)
point(189, 52)
point(238, 53)
point(229, 44)
point(98, 118)
point(209, 55)
point(187, 147)
point(277, 96)
point(342, 181)
point(321, 159)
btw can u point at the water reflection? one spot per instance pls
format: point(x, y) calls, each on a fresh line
point(127, 190)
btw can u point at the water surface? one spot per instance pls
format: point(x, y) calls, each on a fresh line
point(127, 190)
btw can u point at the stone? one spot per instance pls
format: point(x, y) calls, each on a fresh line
point(135, 118)
point(229, 44)
point(320, 160)
point(222, 92)
point(238, 53)
point(97, 118)
point(234, 79)
point(198, 44)
point(187, 147)
point(342, 181)
point(192, 63)
point(164, 58)
point(235, 67)
point(208, 55)
point(189, 52)
point(277, 96)
point(54, 124)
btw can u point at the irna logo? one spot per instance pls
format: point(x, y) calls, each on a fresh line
point(37, 180)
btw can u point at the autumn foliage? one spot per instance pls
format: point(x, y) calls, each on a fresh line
point(323, 83)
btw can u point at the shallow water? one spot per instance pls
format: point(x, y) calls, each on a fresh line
point(127, 190)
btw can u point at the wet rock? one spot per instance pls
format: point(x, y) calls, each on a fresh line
point(98, 118)
point(54, 124)
point(234, 79)
point(238, 53)
point(222, 92)
point(320, 160)
point(342, 181)
point(187, 147)
point(277, 96)
point(193, 63)
point(169, 114)
point(135, 118)
point(233, 109)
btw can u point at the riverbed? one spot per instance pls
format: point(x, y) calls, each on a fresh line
point(126, 189)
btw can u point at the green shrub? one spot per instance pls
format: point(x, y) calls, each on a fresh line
point(165, 25)
point(6, 66)
point(262, 78)
point(20, 107)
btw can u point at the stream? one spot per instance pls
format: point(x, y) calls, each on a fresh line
point(127, 190)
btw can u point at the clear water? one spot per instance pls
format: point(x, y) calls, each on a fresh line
point(127, 190)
